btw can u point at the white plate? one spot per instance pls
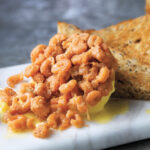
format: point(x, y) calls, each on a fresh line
point(131, 126)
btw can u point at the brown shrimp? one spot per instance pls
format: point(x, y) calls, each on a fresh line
point(21, 104)
point(103, 75)
point(67, 87)
point(31, 70)
point(39, 49)
point(40, 107)
point(17, 122)
point(38, 78)
point(61, 66)
point(93, 97)
point(45, 68)
point(7, 95)
point(77, 121)
point(41, 131)
point(94, 41)
point(15, 79)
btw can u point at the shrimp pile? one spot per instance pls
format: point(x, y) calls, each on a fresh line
point(67, 76)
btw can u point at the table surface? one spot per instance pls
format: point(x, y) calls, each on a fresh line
point(26, 23)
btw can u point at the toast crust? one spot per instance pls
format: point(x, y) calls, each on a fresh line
point(68, 29)
point(147, 6)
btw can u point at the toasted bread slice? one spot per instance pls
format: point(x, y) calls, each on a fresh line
point(147, 6)
point(68, 29)
point(129, 42)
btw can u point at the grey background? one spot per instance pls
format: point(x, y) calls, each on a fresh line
point(26, 23)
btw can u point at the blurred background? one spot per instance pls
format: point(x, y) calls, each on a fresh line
point(26, 23)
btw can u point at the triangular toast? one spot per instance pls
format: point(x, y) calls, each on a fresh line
point(129, 42)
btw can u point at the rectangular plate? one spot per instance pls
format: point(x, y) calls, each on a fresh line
point(131, 126)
